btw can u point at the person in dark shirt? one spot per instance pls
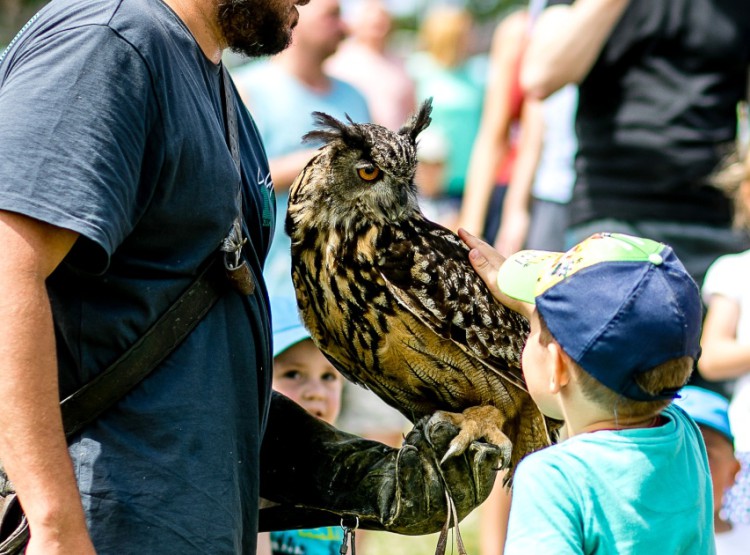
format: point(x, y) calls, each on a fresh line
point(659, 85)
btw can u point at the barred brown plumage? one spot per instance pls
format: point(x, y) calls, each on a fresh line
point(390, 297)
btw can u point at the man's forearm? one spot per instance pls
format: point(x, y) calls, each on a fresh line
point(565, 43)
point(32, 444)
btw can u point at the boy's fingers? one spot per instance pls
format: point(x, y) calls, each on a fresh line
point(485, 260)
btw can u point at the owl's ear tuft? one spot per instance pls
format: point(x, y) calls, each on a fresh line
point(330, 129)
point(419, 121)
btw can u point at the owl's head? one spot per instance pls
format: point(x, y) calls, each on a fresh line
point(363, 172)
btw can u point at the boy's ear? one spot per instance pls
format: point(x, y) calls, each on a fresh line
point(736, 467)
point(560, 367)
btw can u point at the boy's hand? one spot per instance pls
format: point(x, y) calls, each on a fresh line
point(486, 262)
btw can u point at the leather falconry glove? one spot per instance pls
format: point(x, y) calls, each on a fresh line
point(318, 475)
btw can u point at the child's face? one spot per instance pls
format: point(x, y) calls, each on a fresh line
point(536, 364)
point(304, 375)
point(722, 463)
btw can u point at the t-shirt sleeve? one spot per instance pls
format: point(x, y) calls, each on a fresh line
point(544, 516)
point(76, 108)
point(721, 279)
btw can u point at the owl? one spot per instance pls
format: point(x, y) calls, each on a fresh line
point(391, 298)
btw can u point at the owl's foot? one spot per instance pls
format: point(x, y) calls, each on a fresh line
point(474, 423)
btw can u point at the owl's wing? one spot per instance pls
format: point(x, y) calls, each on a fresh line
point(428, 271)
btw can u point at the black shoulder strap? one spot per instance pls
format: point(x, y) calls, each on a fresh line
point(230, 115)
point(172, 327)
point(95, 397)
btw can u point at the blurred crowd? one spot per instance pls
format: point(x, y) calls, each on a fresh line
point(560, 119)
point(566, 118)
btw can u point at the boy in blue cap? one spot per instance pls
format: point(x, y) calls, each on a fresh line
point(615, 331)
point(710, 412)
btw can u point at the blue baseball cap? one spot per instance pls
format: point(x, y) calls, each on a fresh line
point(707, 408)
point(286, 324)
point(618, 306)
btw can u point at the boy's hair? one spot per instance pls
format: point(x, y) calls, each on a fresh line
point(443, 33)
point(669, 375)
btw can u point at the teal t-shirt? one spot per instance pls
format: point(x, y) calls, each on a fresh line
point(457, 100)
point(638, 492)
point(317, 541)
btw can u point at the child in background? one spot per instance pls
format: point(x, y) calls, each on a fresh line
point(709, 410)
point(615, 330)
point(726, 337)
point(304, 374)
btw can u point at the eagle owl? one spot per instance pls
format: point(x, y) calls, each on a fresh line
point(391, 298)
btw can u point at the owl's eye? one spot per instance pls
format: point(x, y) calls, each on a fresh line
point(369, 172)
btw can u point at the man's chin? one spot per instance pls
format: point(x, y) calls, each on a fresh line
point(253, 32)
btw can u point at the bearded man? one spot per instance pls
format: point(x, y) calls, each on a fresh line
point(117, 184)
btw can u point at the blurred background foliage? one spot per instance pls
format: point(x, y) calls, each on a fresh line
point(14, 13)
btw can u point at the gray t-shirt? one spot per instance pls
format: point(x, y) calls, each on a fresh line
point(111, 125)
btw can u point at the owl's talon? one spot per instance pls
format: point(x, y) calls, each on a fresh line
point(475, 423)
point(453, 449)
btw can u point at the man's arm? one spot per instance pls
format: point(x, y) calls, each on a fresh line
point(316, 474)
point(565, 43)
point(32, 442)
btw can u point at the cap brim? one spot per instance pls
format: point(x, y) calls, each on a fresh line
point(519, 274)
point(287, 338)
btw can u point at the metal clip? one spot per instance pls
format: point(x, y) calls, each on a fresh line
point(237, 270)
point(349, 537)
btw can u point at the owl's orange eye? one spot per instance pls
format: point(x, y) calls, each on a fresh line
point(369, 173)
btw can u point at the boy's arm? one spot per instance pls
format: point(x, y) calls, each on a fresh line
point(565, 43)
point(318, 474)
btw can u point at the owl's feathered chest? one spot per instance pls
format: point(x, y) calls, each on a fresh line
point(393, 305)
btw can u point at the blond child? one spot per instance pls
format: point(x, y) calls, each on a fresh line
point(615, 329)
point(726, 335)
point(304, 374)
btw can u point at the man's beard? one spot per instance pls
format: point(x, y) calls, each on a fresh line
point(256, 27)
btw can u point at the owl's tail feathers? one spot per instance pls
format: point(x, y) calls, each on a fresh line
point(530, 432)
